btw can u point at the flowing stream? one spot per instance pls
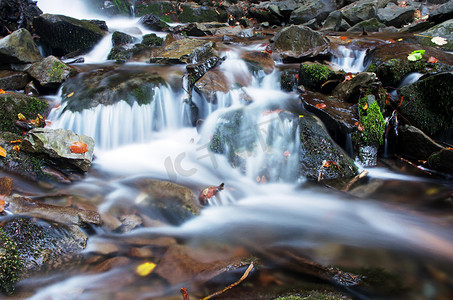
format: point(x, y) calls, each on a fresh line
point(157, 141)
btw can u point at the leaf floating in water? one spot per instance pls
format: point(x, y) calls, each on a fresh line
point(439, 40)
point(416, 55)
point(321, 105)
point(286, 153)
point(268, 112)
point(79, 147)
point(433, 60)
point(208, 193)
point(145, 268)
point(2, 152)
point(70, 95)
point(21, 117)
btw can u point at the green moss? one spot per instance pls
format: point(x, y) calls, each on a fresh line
point(56, 71)
point(314, 295)
point(122, 7)
point(10, 264)
point(166, 11)
point(312, 76)
point(372, 121)
point(191, 14)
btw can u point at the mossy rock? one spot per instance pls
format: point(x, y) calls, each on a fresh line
point(371, 25)
point(120, 38)
point(314, 75)
point(11, 104)
point(195, 13)
point(152, 40)
point(122, 6)
point(371, 120)
point(11, 266)
point(428, 103)
point(444, 30)
point(165, 10)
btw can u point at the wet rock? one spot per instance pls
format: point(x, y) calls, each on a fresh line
point(166, 10)
point(184, 51)
point(65, 215)
point(444, 30)
point(268, 13)
point(414, 143)
point(298, 41)
point(289, 80)
point(427, 103)
point(371, 25)
point(6, 185)
point(51, 72)
point(167, 201)
point(13, 80)
point(259, 60)
point(115, 7)
point(16, 14)
point(190, 13)
point(394, 15)
point(442, 161)
point(31, 90)
point(38, 246)
point(314, 75)
point(360, 11)
point(54, 144)
point(442, 13)
point(11, 104)
point(53, 32)
point(318, 10)
point(152, 22)
point(121, 38)
point(350, 90)
point(333, 21)
point(196, 71)
point(19, 47)
point(212, 82)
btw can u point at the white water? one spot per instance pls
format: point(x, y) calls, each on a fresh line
point(349, 60)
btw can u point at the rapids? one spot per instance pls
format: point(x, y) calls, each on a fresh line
point(158, 141)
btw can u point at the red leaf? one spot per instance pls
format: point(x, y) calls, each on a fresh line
point(343, 38)
point(401, 101)
point(209, 192)
point(321, 105)
point(79, 147)
point(184, 293)
point(433, 60)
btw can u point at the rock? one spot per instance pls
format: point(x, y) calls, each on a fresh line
point(6, 185)
point(414, 143)
point(371, 25)
point(350, 90)
point(36, 246)
point(64, 215)
point(11, 104)
point(53, 32)
point(108, 86)
point(167, 201)
point(152, 40)
point(333, 21)
point(265, 14)
point(238, 136)
point(152, 22)
point(442, 161)
point(55, 144)
point(19, 47)
point(298, 41)
point(259, 60)
point(31, 89)
point(165, 10)
point(212, 82)
point(444, 30)
point(51, 72)
point(314, 75)
point(196, 71)
point(359, 11)
point(427, 103)
point(13, 80)
point(394, 15)
point(16, 14)
point(442, 13)
point(121, 39)
point(190, 13)
point(318, 10)
point(184, 51)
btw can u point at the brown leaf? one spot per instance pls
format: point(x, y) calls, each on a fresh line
point(79, 147)
point(433, 60)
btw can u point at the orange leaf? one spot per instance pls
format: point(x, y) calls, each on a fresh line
point(2, 205)
point(343, 38)
point(391, 40)
point(401, 101)
point(433, 60)
point(2, 152)
point(79, 147)
point(449, 148)
point(2, 91)
point(16, 141)
point(360, 127)
point(16, 147)
point(321, 105)
point(365, 107)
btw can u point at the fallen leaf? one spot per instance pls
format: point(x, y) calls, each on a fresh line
point(365, 107)
point(2, 205)
point(348, 76)
point(16, 141)
point(209, 192)
point(399, 40)
point(70, 95)
point(433, 60)
point(2, 91)
point(16, 147)
point(360, 127)
point(21, 117)
point(343, 38)
point(401, 101)
point(416, 55)
point(79, 147)
point(439, 40)
point(391, 40)
point(321, 105)
point(327, 163)
point(268, 112)
point(2, 152)
point(145, 268)
point(184, 293)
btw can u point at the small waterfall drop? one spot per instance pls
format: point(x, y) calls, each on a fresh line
point(350, 60)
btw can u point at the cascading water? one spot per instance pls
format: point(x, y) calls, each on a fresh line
point(349, 60)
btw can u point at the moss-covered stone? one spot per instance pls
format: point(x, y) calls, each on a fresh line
point(11, 104)
point(194, 13)
point(371, 120)
point(313, 75)
point(122, 7)
point(152, 40)
point(11, 266)
point(165, 10)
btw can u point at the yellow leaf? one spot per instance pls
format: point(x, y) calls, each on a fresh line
point(2, 152)
point(16, 147)
point(145, 268)
point(2, 91)
point(70, 95)
point(21, 117)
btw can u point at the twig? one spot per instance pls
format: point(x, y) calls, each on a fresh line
point(414, 165)
point(244, 276)
point(354, 180)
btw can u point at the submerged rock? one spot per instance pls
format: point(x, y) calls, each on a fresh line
point(19, 47)
point(55, 144)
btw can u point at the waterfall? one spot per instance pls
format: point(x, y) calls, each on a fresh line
point(349, 60)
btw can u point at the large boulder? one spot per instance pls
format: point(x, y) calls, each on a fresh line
point(61, 35)
point(298, 41)
point(394, 15)
point(350, 90)
point(360, 11)
point(442, 13)
point(428, 103)
point(51, 72)
point(16, 14)
point(19, 47)
point(190, 13)
point(184, 51)
point(443, 30)
point(153, 23)
point(55, 144)
point(318, 10)
point(13, 80)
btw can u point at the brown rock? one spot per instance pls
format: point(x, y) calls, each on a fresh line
point(6, 185)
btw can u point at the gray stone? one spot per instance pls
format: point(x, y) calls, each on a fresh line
point(444, 30)
point(371, 25)
point(317, 9)
point(19, 47)
point(442, 13)
point(13, 80)
point(333, 21)
point(394, 15)
point(350, 90)
point(360, 11)
point(51, 72)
